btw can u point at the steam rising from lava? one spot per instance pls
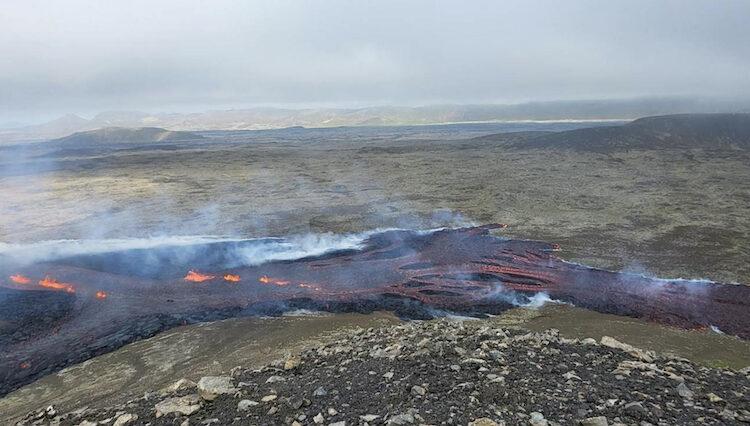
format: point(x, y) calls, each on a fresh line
point(416, 274)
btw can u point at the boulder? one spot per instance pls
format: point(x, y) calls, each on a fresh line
point(210, 387)
point(484, 421)
point(185, 405)
point(125, 419)
point(613, 343)
point(594, 421)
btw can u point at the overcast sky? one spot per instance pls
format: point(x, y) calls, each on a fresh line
point(183, 55)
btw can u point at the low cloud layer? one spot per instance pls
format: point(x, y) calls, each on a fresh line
point(89, 56)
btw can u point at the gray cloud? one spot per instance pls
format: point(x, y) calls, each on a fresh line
point(87, 56)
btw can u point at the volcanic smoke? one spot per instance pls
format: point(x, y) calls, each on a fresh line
point(415, 274)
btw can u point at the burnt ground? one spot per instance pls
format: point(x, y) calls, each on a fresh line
point(448, 372)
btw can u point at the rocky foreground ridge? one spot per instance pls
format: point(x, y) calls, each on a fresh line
point(445, 372)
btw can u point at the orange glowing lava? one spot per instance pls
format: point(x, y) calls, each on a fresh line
point(24, 365)
point(232, 278)
point(197, 277)
point(19, 279)
point(101, 295)
point(52, 283)
point(265, 279)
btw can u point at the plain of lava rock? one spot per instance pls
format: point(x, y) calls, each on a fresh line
point(320, 391)
point(210, 387)
point(245, 404)
point(125, 419)
point(185, 405)
point(484, 421)
point(594, 421)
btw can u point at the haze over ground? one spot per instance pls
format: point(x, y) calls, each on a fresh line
point(183, 56)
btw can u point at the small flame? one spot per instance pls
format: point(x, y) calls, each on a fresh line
point(197, 277)
point(19, 279)
point(232, 278)
point(265, 279)
point(101, 295)
point(24, 365)
point(52, 283)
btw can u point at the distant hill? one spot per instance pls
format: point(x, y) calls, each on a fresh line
point(277, 118)
point(683, 131)
point(123, 135)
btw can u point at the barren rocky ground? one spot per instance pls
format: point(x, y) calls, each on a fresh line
point(446, 372)
point(673, 213)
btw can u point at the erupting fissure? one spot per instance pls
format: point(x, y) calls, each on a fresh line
point(466, 271)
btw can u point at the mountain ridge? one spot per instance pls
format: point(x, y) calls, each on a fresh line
point(124, 135)
point(262, 118)
point(675, 131)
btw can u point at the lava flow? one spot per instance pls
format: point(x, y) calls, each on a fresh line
point(53, 284)
point(20, 279)
point(414, 274)
point(272, 281)
point(197, 277)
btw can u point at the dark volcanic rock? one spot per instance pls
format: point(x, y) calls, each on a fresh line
point(450, 372)
point(413, 274)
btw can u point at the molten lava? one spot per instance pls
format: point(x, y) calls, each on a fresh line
point(19, 279)
point(101, 295)
point(265, 279)
point(53, 284)
point(413, 274)
point(197, 277)
point(232, 278)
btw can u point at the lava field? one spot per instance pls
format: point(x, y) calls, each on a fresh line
point(63, 311)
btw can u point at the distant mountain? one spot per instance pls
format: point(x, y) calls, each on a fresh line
point(683, 131)
point(276, 118)
point(122, 135)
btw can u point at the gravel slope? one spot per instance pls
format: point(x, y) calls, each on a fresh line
point(446, 372)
